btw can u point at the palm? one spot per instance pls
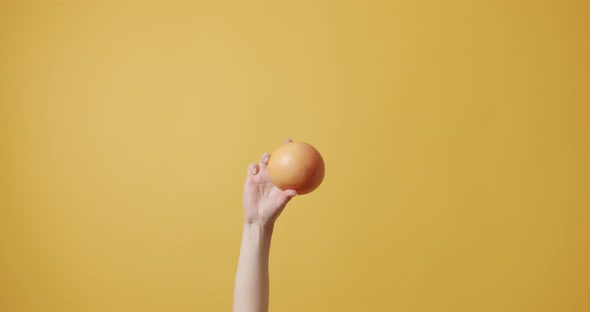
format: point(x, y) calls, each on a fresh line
point(260, 197)
point(263, 201)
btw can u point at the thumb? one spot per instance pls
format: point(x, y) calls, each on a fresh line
point(285, 197)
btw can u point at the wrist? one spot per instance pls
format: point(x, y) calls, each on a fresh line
point(260, 226)
point(257, 236)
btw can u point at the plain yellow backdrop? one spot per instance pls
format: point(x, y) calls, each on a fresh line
point(456, 137)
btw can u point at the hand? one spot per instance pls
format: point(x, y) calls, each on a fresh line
point(263, 202)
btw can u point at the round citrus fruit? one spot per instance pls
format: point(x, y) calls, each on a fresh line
point(296, 166)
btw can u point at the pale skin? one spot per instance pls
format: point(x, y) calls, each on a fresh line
point(263, 203)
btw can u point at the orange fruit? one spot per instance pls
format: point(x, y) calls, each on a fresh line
point(296, 166)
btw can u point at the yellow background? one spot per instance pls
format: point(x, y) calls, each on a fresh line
point(455, 135)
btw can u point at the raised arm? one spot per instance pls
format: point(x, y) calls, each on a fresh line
point(263, 203)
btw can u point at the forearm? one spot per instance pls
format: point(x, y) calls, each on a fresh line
point(251, 285)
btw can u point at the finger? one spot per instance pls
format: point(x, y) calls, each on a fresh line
point(264, 159)
point(285, 197)
point(287, 140)
point(253, 169)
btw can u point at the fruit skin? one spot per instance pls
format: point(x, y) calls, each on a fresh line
point(296, 166)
